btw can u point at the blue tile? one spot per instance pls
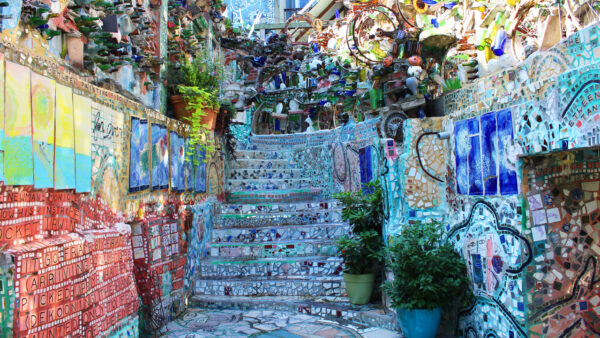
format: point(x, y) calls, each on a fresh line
point(489, 152)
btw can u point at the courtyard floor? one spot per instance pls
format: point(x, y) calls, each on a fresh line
point(265, 324)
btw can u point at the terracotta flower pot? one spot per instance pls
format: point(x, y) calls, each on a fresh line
point(180, 108)
point(183, 114)
point(210, 119)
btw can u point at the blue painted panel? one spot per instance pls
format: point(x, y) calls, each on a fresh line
point(160, 157)
point(462, 146)
point(489, 152)
point(366, 168)
point(138, 155)
point(475, 180)
point(173, 159)
point(188, 167)
point(508, 176)
point(473, 126)
point(200, 170)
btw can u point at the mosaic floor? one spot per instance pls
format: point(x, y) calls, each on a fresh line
point(264, 324)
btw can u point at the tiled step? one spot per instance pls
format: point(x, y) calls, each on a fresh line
point(261, 155)
point(283, 196)
point(261, 164)
point(329, 286)
point(272, 184)
point(333, 308)
point(292, 266)
point(264, 174)
point(280, 249)
point(277, 219)
point(280, 233)
point(263, 208)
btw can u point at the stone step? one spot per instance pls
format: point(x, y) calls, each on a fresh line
point(332, 308)
point(237, 174)
point(271, 184)
point(244, 163)
point(330, 286)
point(279, 249)
point(277, 219)
point(261, 155)
point(284, 196)
point(263, 208)
point(280, 233)
point(287, 266)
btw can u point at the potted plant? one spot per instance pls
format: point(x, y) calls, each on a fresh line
point(200, 75)
point(428, 275)
point(361, 251)
point(361, 254)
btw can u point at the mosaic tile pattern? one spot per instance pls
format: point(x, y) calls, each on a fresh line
point(272, 286)
point(268, 184)
point(281, 234)
point(329, 308)
point(564, 227)
point(292, 266)
point(263, 323)
point(424, 166)
point(278, 219)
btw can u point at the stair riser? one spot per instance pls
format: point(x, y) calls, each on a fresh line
point(261, 164)
point(262, 155)
point(278, 234)
point(275, 220)
point(275, 207)
point(296, 268)
point(302, 196)
point(329, 311)
point(263, 175)
point(275, 250)
point(270, 288)
point(252, 185)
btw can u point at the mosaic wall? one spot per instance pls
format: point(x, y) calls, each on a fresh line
point(73, 190)
point(524, 228)
point(563, 226)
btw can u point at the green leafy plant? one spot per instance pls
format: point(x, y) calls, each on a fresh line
point(198, 101)
point(363, 210)
point(360, 252)
point(428, 272)
point(202, 71)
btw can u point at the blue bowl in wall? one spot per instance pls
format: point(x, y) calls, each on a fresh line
point(419, 323)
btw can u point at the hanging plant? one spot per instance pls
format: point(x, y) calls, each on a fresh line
point(200, 103)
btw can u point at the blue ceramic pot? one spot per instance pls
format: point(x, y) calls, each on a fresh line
point(419, 323)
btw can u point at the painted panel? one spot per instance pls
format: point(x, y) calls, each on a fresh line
point(43, 105)
point(139, 178)
point(83, 147)
point(177, 153)
point(181, 162)
point(508, 176)
point(200, 170)
point(462, 147)
point(18, 148)
point(475, 181)
point(160, 157)
point(64, 152)
point(366, 169)
point(188, 166)
point(489, 151)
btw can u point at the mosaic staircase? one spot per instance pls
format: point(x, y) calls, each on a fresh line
point(273, 245)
